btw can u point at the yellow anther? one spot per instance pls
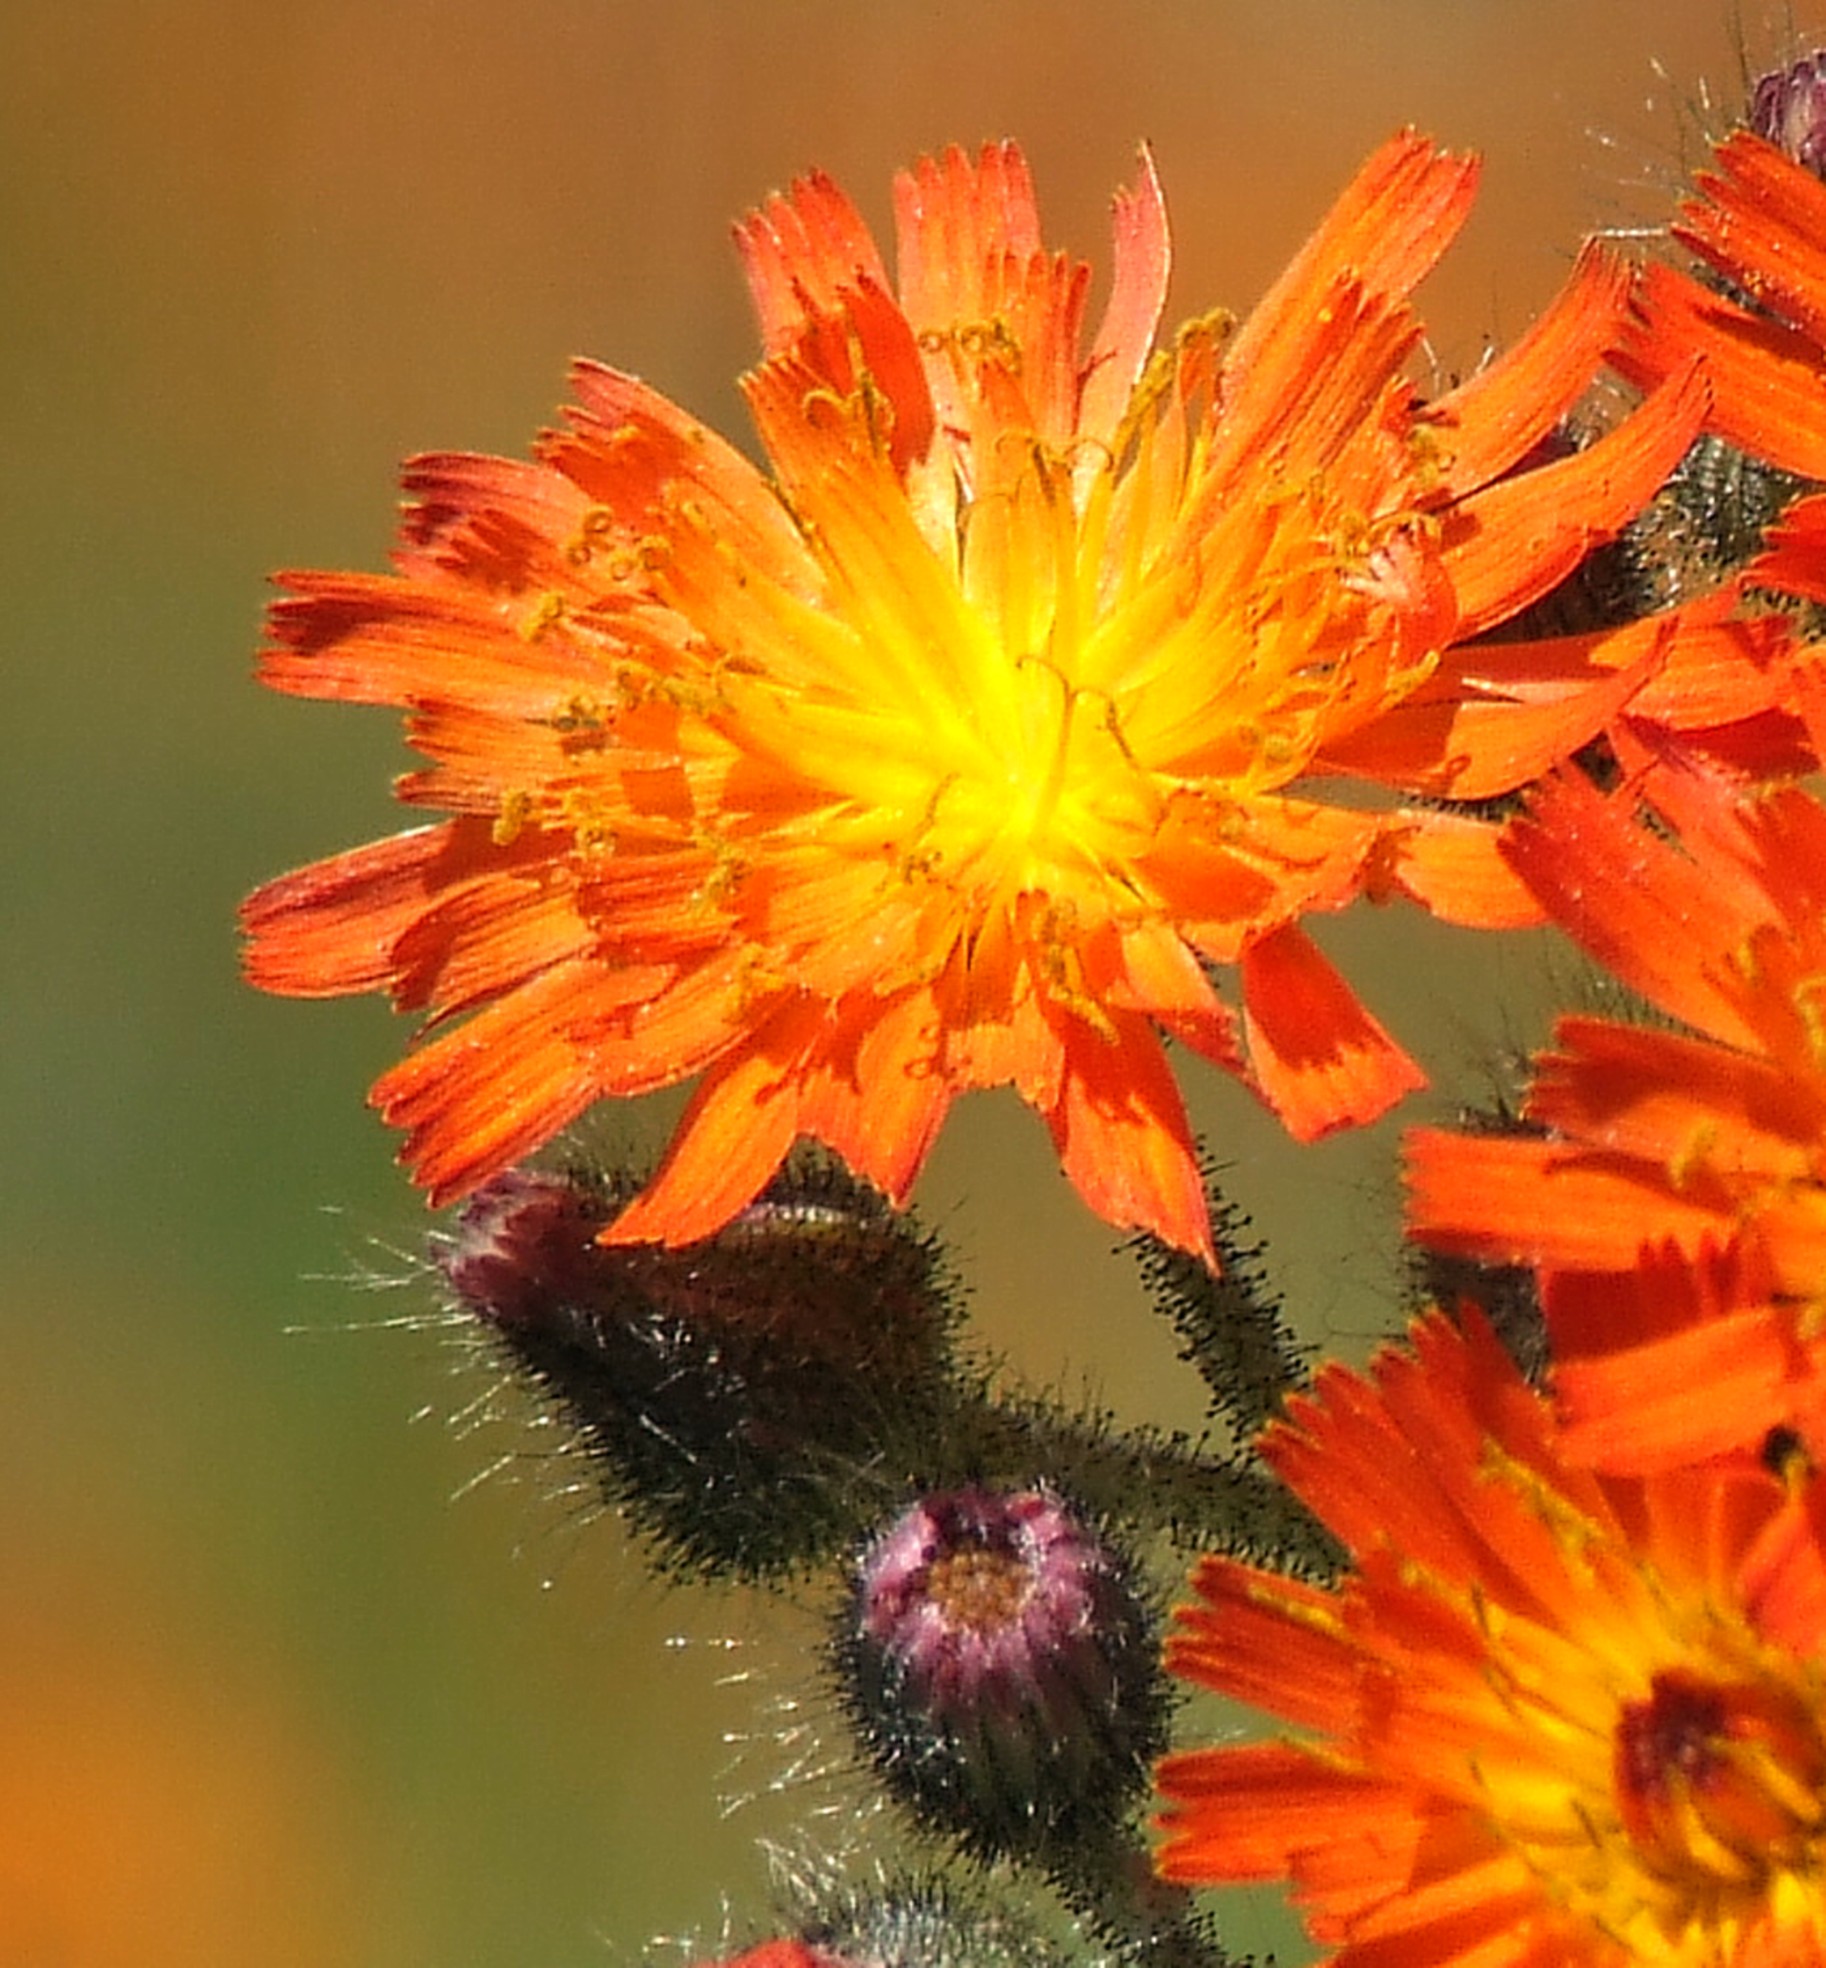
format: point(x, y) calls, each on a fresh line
point(515, 811)
point(549, 608)
point(581, 712)
point(1810, 1007)
point(594, 531)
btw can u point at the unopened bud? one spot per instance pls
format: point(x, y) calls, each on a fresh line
point(728, 1391)
point(1001, 1671)
point(1788, 108)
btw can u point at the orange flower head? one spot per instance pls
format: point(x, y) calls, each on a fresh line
point(953, 750)
point(1674, 1200)
point(1758, 320)
point(1547, 1717)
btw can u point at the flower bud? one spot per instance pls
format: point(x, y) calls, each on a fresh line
point(1001, 1671)
point(1788, 109)
point(728, 1391)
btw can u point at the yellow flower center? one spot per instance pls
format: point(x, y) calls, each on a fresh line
point(1685, 1815)
point(1055, 795)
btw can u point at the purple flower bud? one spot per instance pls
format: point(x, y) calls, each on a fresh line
point(1788, 108)
point(1001, 1670)
point(524, 1241)
point(727, 1392)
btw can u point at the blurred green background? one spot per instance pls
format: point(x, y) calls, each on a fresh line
point(276, 1685)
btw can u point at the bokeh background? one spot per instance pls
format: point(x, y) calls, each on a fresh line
point(280, 1680)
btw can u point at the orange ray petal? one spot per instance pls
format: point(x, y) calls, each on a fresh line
point(1273, 1645)
point(478, 1098)
point(801, 251)
point(1138, 293)
point(1628, 899)
point(1707, 1114)
point(1719, 669)
point(500, 522)
point(1520, 1201)
point(741, 1122)
point(485, 937)
point(1764, 377)
point(641, 456)
point(873, 1091)
point(1386, 231)
point(1317, 853)
point(1463, 748)
point(330, 928)
point(963, 225)
point(1516, 540)
point(1713, 660)
point(1454, 867)
point(1679, 1397)
point(1489, 423)
point(1312, 397)
point(375, 639)
point(1795, 559)
point(1762, 223)
point(1320, 1059)
point(1257, 1805)
point(1123, 1140)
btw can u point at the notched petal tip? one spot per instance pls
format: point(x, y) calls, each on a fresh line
point(1320, 1060)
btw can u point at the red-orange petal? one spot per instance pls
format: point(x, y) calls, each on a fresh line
point(1521, 1201)
point(1489, 422)
point(330, 928)
point(1632, 901)
point(1123, 1138)
point(804, 250)
point(1706, 1113)
point(1243, 1813)
point(1516, 540)
point(1138, 293)
point(1464, 747)
point(874, 1092)
point(475, 1100)
point(1765, 377)
point(1454, 867)
point(1678, 1397)
point(1320, 1060)
point(1271, 1643)
point(741, 1122)
point(1385, 232)
point(1761, 221)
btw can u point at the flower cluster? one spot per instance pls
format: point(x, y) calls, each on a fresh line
point(1009, 721)
point(1568, 1702)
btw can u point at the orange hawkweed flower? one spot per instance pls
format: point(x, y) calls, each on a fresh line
point(953, 751)
point(1759, 225)
point(1675, 1201)
point(1548, 1719)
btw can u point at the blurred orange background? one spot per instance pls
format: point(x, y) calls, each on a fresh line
point(271, 1690)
